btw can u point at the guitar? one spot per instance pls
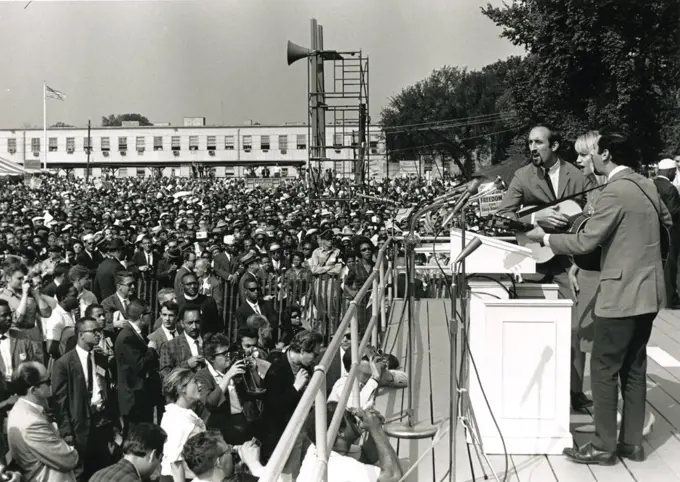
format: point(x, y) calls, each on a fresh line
point(541, 253)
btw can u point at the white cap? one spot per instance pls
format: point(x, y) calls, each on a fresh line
point(667, 164)
point(229, 239)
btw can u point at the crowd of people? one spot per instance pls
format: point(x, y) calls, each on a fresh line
point(166, 328)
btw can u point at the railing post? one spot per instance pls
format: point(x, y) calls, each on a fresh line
point(354, 330)
point(321, 427)
point(375, 310)
point(383, 297)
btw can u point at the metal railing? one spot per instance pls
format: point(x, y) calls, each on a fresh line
point(315, 393)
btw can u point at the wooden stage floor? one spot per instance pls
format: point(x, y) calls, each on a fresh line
point(431, 363)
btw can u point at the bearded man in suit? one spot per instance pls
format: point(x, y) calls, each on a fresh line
point(627, 219)
point(547, 179)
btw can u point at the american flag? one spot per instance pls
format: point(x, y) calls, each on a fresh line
point(51, 93)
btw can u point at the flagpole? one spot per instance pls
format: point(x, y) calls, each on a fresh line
point(44, 126)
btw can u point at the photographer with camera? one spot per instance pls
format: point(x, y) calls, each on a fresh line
point(230, 382)
point(212, 459)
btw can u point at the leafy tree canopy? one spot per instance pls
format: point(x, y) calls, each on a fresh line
point(114, 120)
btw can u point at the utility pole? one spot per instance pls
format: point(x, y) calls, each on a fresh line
point(89, 149)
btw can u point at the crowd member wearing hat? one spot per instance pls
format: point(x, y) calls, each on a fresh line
point(220, 263)
point(168, 266)
point(250, 264)
point(105, 278)
point(209, 285)
point(671, 198)
point(146, 259)
point(326, 261)
point(90, 256)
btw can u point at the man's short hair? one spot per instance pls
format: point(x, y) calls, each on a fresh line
point(621, 148)
point(187, 275)
point(554, 135)
point(62, 291)
point(211, 342)
point(25, 376)
point(91, 308)
point(77, 272)
point(12, 264)
point(61, 269)
point(143, 439)
point(305, 341)
point(164, 293)
point(310, 423)
point(135, 310)
point(122, 275)
point(81, 323)
point(170, 306)
point(184, 309)
point(201, 451)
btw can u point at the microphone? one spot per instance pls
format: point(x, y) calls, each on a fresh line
point(472, 188)
point(470, 248)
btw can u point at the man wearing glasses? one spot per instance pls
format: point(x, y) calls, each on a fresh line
point(116, 305)
point(37, 448)
point(191, 298)
point(254, 305)
point(80, 390)
point(90, 256)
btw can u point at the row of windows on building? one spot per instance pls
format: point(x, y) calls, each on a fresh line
point(160, 142)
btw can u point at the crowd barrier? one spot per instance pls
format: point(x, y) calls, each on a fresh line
point(320, 299)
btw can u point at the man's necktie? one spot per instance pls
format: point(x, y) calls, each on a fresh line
point(550, 184)
point(172, 333)
point(257, 309)
point(90, 383)
point(198, 347)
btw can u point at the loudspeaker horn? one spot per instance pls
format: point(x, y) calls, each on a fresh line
point(296, 52)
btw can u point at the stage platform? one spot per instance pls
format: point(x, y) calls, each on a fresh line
point(431, 362)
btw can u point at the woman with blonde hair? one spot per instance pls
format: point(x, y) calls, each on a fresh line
point(583, 282)
point(183, 393)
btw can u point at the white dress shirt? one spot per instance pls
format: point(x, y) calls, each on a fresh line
point(168, 335)
point(255, 307)
point(96, 399)
point(554, 175)
point(55, 324)
point(192, 344)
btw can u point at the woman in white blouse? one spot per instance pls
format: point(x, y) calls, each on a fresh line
point(180, 422)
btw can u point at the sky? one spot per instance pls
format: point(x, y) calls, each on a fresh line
point(225, 59)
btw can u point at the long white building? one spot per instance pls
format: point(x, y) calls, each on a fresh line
point(229, 150)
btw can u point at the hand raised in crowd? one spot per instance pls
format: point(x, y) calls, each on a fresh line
point(301, 379)
point(238, 368)
point(250, 453)
point(370, 419)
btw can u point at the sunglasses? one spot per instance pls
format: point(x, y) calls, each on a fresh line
point(46, 381)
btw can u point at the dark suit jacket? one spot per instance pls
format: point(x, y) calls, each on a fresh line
point(280, 401)
point(244, 311)
point(165, 277)
point(123, 471)
point(529, 187)
point(111, 305)
point(104, 284)
point(69, 391)
point(139, 260)
point(222, 266)
point(624, 222)
point(217, 410)
point(211, 321)
point(136, 364)
point(174, 353)
point(90, 262)
point(671, 198)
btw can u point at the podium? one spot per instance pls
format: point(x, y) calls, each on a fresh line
point(521, 352)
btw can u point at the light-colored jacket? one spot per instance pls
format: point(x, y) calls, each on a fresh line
point(627, 227)
point(36, 447)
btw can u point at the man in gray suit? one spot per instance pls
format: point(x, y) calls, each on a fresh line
point(35, 443)
point(547, 179)
point(626, 225)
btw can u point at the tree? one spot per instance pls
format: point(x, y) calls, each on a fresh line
point(452, 114)
point(61, 124)
point(595, 63)
point(114, 120)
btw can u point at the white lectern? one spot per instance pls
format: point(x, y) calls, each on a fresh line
point(521, 351)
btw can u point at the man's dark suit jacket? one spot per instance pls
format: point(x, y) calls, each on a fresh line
point(69, 390)
point(280, 401)
point(245, 310)
point(139, 260)
point(671, 198)
point(90, 262)
point(165, 277)
point(216, 411)
point(211, 322)
point(222, 266)
point(111, 305)
point(174, 353)
point(136, 364)
point(104, 284)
